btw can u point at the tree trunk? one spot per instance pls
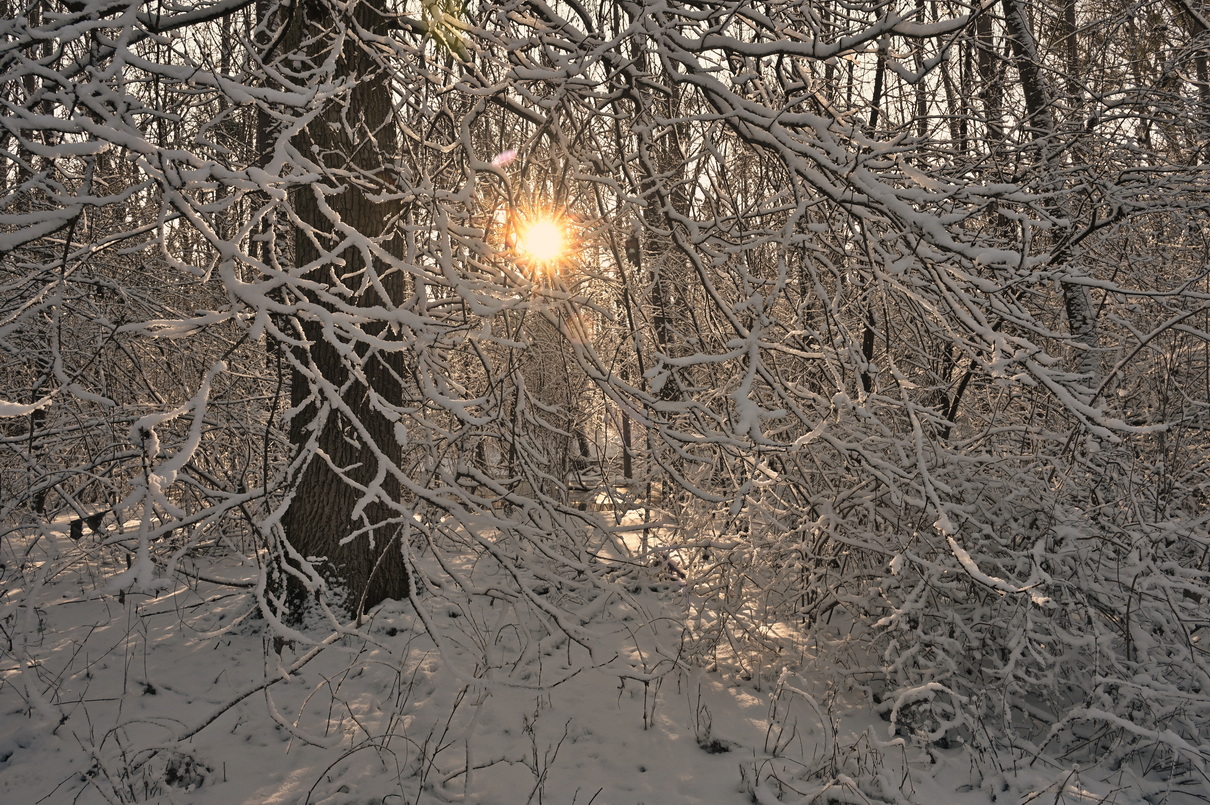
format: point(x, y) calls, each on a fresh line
point(340, 510)
point(1081, 316)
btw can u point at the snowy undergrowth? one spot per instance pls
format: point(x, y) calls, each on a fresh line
point(183, 695)
point(1036, 623)
point(1068, 634)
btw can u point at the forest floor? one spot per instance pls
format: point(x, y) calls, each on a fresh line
point(177, 696)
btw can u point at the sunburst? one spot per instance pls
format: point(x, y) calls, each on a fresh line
point(542, 241)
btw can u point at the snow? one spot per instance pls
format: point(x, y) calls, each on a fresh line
point(12, 409)
point(792, 466)
point(372, 714)
point(179, 696)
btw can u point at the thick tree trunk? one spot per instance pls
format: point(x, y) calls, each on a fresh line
point(340, 511)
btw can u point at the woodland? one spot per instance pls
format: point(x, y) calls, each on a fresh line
point(852, 356)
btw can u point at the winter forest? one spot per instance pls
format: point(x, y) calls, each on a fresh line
point(605, 401)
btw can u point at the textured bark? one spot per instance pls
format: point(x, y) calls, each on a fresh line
point(362, 558)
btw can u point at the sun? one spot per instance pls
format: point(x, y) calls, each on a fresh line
point(542, 241)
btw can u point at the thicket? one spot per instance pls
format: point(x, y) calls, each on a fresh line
point(884, 328)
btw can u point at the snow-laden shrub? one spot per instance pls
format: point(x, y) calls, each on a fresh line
point(1018, 606)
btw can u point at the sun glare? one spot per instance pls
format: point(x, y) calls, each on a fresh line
point(542, 241)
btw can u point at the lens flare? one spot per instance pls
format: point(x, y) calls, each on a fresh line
point(542, 241)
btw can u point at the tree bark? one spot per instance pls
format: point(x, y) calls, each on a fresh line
point(340, 510)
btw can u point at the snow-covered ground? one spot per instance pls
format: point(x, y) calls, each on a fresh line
point(180, 697)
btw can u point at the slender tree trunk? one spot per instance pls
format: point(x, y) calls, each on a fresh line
point(664, 188)
point(1195, 17)
point(920, 90)
point(1081, 318)
point(991, 88)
